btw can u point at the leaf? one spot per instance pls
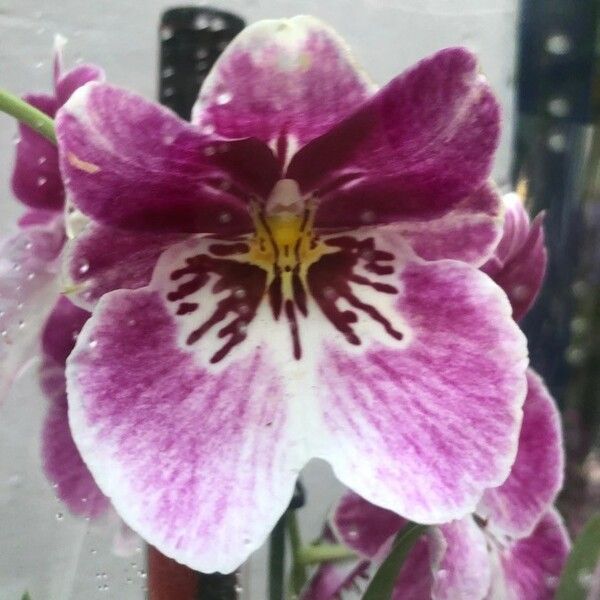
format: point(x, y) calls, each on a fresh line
point(26, 596)
point(581, 563)
point(382, 585)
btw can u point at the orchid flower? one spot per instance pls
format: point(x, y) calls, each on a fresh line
point(513, 547)
point(319, 294)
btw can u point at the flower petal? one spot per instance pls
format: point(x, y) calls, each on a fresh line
point(133, 164)
point(283, 81)
point(422, 426)
point(29, 287)
point(36, 178)
point(61, 330)
point(363, 526)
point(101, 259)
point(537, 474)
point(469, 232)
point(415, 579)
point(461, 562)
point(413, 151)
point(73, 79)
point(62, 462)
point(519, 262)
point(531, 567)
point(200, 462)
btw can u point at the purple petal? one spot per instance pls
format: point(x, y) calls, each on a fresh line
point(29, 287)
point(61, 330)
point(199, 460)
point(414, 151)
point(101, 259)
point(364, 527)
point(133, 164)
point(68, 82)
point(415, 579)
point(537, 474)
point(531, 567)
point(468, 233)
point(283, 81)
point(36, 178)
point(62, 462)
point(519, 262)
point(422, 425)
point(461, 563)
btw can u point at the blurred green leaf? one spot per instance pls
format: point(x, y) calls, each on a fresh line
point(581, 563)
point(26, 596)
point(382, 585)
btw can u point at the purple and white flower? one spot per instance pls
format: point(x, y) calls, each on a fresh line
point(308, 302)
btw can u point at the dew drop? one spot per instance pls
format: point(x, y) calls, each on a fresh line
point(39, 65)
point(131, 322)
point(330, 293)
point(201, 22)
point(168, 72)
point(93, 551)
point(353, 533)
point(208, 129)
point(238, 588)
point(168, 92)
point(558, 44)
point(59, 516)
point(93, 343)
point(168, 140)
point(217, 24)
point(129, 580)
point(201, 53)
point(209, 151)
point(41, 160)
point(21, 324)
point(84, 267)
point(30, 276)
point(368, 216)
point(28, 246)
point(556, 142)
point(239, 293)
point(42, 181)
point(224, 98)
point(559, 107)
point(225, 217)
point(166, 33)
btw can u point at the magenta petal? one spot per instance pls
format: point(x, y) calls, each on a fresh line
point(519, 262)
point(531, 567)
point(69, 81)
point(461, 562)
point(413, 151)
point(363, 526)
point(415, 579)
point(101, 259)
point(423, 427)
point(133, 164)
point(537, 474)
point(61, 330)
point(199, 460)
point(36, 179)
point(282, 81)
point(469, 232)
point(62, 462)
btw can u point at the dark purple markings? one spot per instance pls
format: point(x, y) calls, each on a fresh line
point(329, 280)
point(290, 313)
point(246, 284)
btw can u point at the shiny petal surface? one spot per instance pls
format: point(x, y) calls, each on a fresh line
point(469, 232)
point(201, 463)
point(461, 570)
point(364, 527)
point(413, 151)
point(282, 81)
point(29, 287)
point(36, 177)
point(519, 262)
point(531, 567)
point(537, 474)
point(133, 164)
point(101, 259)
point(424, 426)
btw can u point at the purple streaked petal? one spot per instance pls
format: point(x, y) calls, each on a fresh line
point(134, 164)
point(537, 474)
point(461, 562)
point(187, 453)
point(411, 152)
point(469, 232)
point(62, 462)
point(422, 426)
point(29, 287)
point(364, 527)
point(531, 567)
point(519, 262)
point(36, 178)
point(101, 259)
point(415, 579)
point(283, 81)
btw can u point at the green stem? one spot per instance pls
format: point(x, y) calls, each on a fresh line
point(318, 553)
point(28, 114)
point(277, 561)
point(299, 574)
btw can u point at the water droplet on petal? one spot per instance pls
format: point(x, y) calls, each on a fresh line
point(168, 72)
point(84, 267)
point(225, 217)
point(59, 516)
point(239, 293)
point(201, 22)
point(30, 276)
point(224, 98)
point(208, 129)
point(166, 32)
point(201, 53)
point(93, 343)
point(209, 150)
point(217, 24)
point(353, 533)
point(41, 160)
point(368, 216)
point(42, 181)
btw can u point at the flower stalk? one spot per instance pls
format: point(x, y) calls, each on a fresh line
point(320, 553)
point(28, 114)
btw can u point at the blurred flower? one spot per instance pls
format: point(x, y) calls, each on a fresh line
point(305, 306)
